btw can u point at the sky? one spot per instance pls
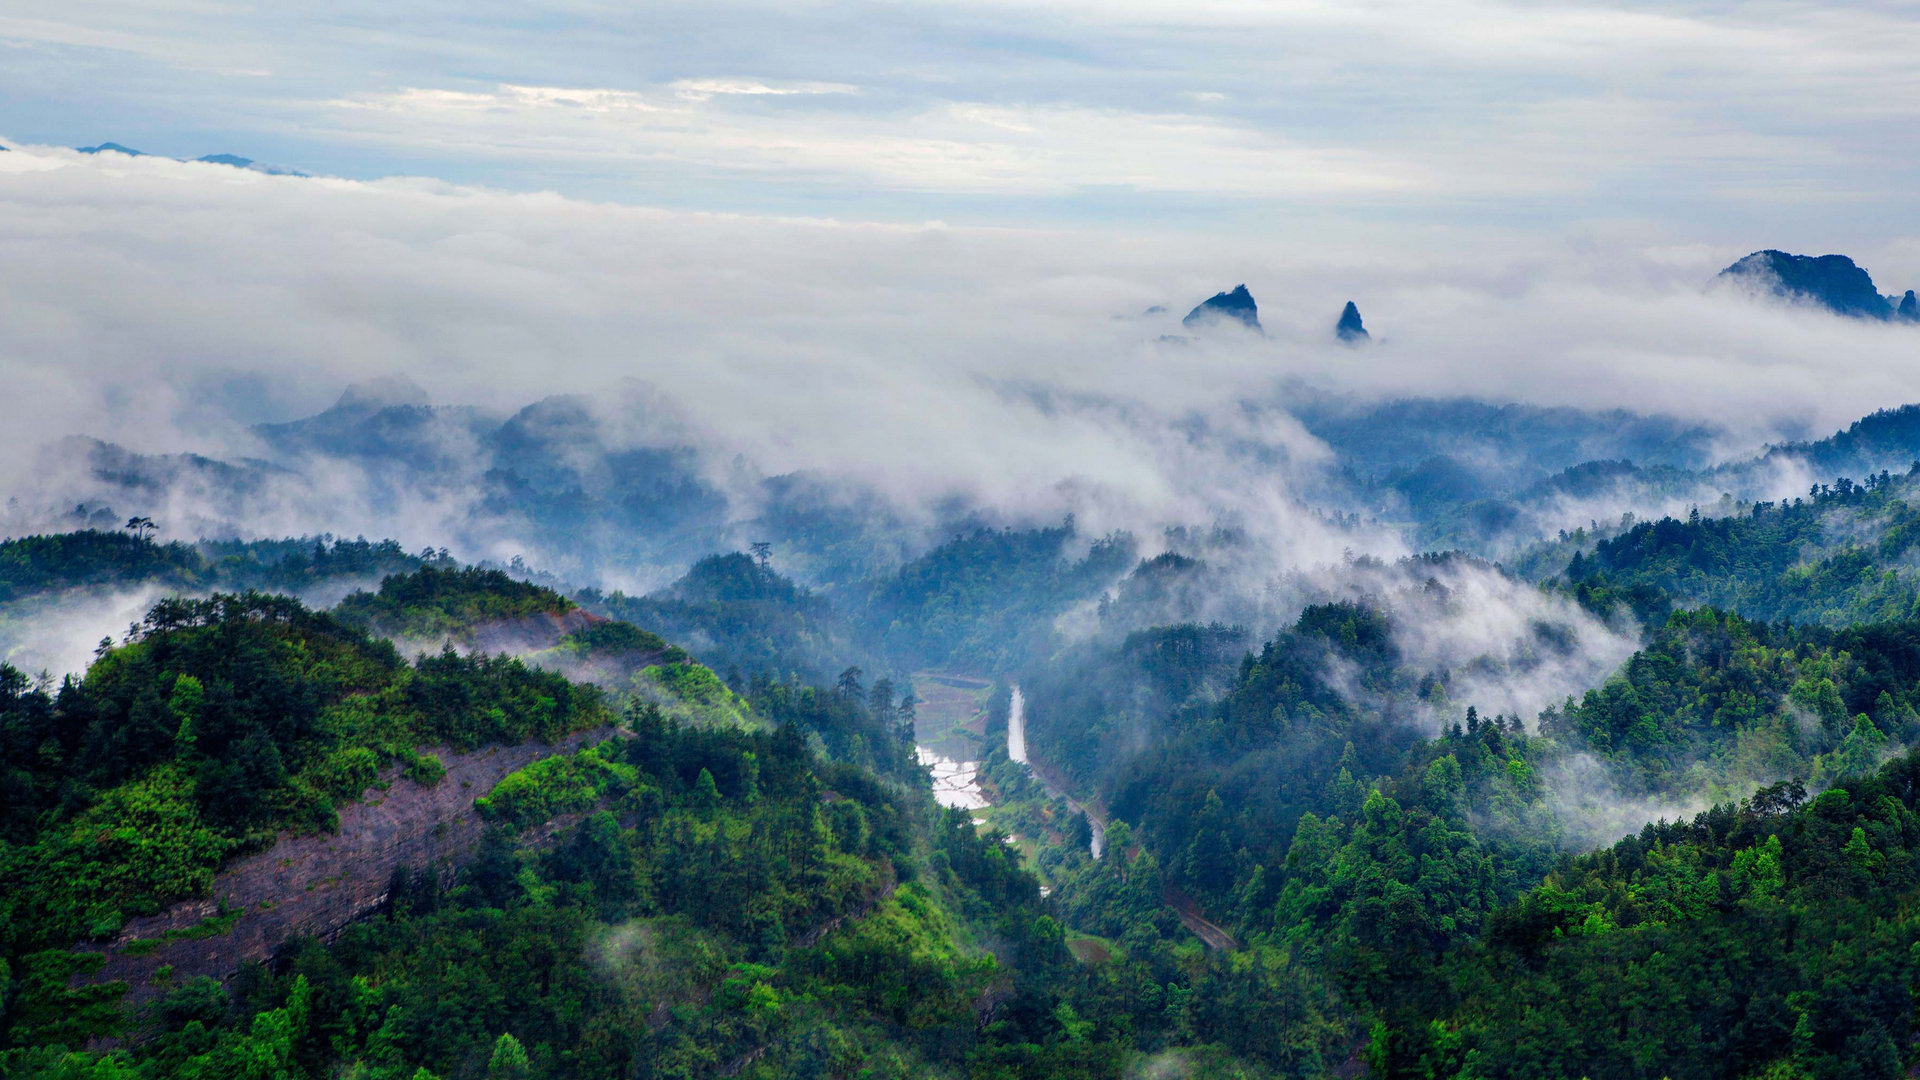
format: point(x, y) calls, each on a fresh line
point(1415, 124)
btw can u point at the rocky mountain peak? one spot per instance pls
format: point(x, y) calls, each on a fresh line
point(1350, 329)
point(1831, 281)
point(1237, 304)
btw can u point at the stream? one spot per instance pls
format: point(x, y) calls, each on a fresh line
point(1017, 750)
point(956, 783)
point(1017, 727)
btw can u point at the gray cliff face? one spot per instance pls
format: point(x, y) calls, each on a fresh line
point(313, 885)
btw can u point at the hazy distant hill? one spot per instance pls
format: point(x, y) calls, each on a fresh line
point(1831, 281)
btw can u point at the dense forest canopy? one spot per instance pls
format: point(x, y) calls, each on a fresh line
point(718, 858)
point(225, 721)
point(959, 540)
point(93, 558)
point(714, 850)
point(1839, 556)
point(742, 615)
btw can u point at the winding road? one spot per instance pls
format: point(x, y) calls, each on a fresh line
point(1202, 927)
point(1213, 934)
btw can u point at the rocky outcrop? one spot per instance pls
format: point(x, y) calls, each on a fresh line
point(1830, 281)
point(1909, 308)
point(1237, 305)
point(1350, 329)
point(315, 885)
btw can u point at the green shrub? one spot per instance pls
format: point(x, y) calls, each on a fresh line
point(557, 785)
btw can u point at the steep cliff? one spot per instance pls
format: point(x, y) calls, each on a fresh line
point(313, 885)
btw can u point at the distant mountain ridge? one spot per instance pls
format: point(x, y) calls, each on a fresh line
point(1885, 439)
point(231, 160)
point(238, 162)
point(1834, 282)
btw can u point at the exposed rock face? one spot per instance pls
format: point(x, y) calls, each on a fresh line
point(1832, 281)
point(1350, 329)
point(1909, 307)
point(1237, 305)
point(316, 885)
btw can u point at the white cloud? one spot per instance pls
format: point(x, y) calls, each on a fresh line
point(701, 89)
point(150, 299)
point(957, 147)
point(1713, 119)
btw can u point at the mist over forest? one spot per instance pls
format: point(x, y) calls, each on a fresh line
point(959, 541)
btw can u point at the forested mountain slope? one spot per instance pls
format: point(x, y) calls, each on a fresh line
point(221, 723)
point(1361, 830)
point(987, 598)
point(743, 617)
point(119, 559)
point(1772, 938)
point(1493, 492)
point(684, 899)
point(664, 869)
point(1842, 554)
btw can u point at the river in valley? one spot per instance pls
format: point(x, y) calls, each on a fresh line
point(945, 751)
point(1017, 750)
point(1017, 727)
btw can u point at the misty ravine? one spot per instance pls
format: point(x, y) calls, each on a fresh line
point(1017, 751)
point(530, 588)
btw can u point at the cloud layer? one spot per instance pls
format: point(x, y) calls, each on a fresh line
point(166, 305)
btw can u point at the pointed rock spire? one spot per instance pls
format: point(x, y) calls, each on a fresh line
point(1237, 304)
point(1909, 307)
point(1350, 329)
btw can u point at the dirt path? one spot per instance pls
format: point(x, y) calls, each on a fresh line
point(1203, 928)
